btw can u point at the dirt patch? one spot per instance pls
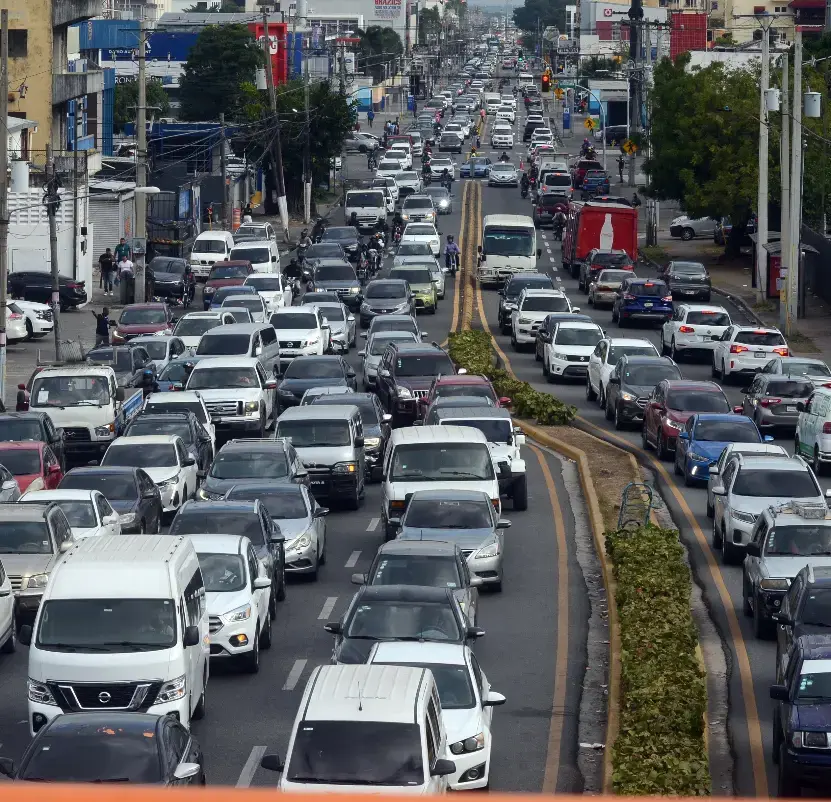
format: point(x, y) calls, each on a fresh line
point(611, 468)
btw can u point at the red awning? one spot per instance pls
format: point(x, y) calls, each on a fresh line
point(807, 4)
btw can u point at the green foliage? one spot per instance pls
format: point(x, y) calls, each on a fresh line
point(473, 350)
point(660, 748)
point(429, 25)
point(126, 101)
point(725, 40)
point(223, 59)
point(380, 46)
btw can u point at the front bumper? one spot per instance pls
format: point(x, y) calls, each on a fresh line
point(697, 470)
point(302, 561)
point(569, 368)
point(526, 333)
point(738, 532)
point(813, 770)
point(488, 569)
point(236, 423)
point(333, 486)
point(222, 646)
point(470, 763)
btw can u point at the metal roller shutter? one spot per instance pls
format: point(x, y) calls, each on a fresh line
point(106, 220)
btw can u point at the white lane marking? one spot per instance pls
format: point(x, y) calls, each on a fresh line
point(328, 606)
point(294, 675)
point(373, 524)
point(251, 766)
point(353, 559)
point(557, 278)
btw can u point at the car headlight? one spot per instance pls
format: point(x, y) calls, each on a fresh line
point(208, 291)
point(38, 692)
point(444, 204)
point(674, 425)
point(365, 308)
point(239, 614)
point(628, 396)
point(169, 484)
point(524, 319)
point(558, 355)
point(405, 307)
point(37, 581)
point(473, 744)
point(105, 431)
point(312, 341)
point(509, 305)
point(809, 740)
point(403, 392)
point(171, 691)
point(775, 584)
point(252, 406)
point(490, 549)
point(302, 542)
point(354, 290)
point(372, 442)
point(345, 467)
point(127, 518)
point(285, 393)
point(697, 457)
point(747, 517)
point(405, 216)
point(206, 495)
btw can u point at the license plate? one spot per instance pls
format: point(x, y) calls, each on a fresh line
point(759, 354)
point(790, 409)
point(715, 337)
point(316, 482)
point(647, 305)
point(688, 292)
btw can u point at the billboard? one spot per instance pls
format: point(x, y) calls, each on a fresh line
point(387, 9)
point(277, 47)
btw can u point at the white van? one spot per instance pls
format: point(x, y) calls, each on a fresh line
point(123, 625)
point(367, 728)
point(434, 458)
point(812, 439)
point(368, 205)
point(210, 247)
point(263, 255)
point(492, 101)
point(525, 78)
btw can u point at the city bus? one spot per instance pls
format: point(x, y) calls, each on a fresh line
point(509, 245)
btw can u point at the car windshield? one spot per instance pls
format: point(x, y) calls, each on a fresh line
point(697, 401)
point(423, 365)
point(335, 273)
point(401, 620)
point(816, 610)
point(211, 521)
point(688, 268)
point(799, 540)
point(768, 482)
point(364, 199)
point(387, 291)
point(222, 573)
point(417, 203)
point(648, 289)
point(445, 514)
point(617, 351)
point(814, 686)
point(239, 464)
point(314, 433)
point(79, 513)
point(727, 431)
point(392, 165)
point(496, 430)
point(344, 233)
point(294, 320)
point(546, 303)
point(417, 569)
point(806, 368)
point(508, 241)
point(515, 287)
point(195, 326)
point(220, 378)
point(792, 388)
point(567, 335)
point(708, 318)
point(252, 303)
point(15, 429)
point(649, 375)
point(357, 753)
point(156, 348)
point(253, 255)
point(378, 345)
point(503, 168)
point(114, 486)
point(223, 272)
point(21, 461)
point(107, 625)
point(142, 316)
point(436, 462)
point(224, 344)
point(439, 193)
point(226, 292)
point(148, 455)
point(24, 537)
point(332, 312)
point(613, 276)
point(209, 246)
point(118, 358)
point(264, 283)
point(414, 275)
point(177, 406)
point(141, 425)
point(280, 505)
point(759, 338)
point(95, 754)
point(324, 250)
point(175, 266)
point(414, 248)
point(314, 369)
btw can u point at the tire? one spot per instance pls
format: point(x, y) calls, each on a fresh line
point(614, 314)
point(265, 635)
point(729, 553)
point(674, 353)
point(816, 464)
point(251, 661)
point(718, 538)
point(761, 628)
point(714, 370)
point(608, 412)
point(710, 510)
point(10, 646)
point(520, 493)
point(676, 468)
point(664, 349)
point(30, 332)
point(747, 608)
point(590, 393)
point(619, 423)
point(280, 593)
point(537, 357)
point(545, 371)
point(687, 234)
point(202, 705)
point(601, 398)
point(785, 786)
point(661, 447)
point(644, 441)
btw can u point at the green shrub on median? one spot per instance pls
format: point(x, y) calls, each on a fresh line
point(660, 747)
point(473, 350)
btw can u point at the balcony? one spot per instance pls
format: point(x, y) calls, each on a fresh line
point(69, 85)
point(65, 12)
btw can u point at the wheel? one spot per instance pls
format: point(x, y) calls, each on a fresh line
point(590, 393)
point(545, 370)
point(354, 502)
point(281, 587)
point(710, 509)
point(676, 467)
point(644, 439)
point(520, 494)
point(747, 607)
point(796, 445)
point(514, 343)
point(601, 397)
point(537, 357)
point(142, 528)
point(815, 462)
point(10, 645)
point(724, 375)
point(786, 787)
point(664, 348)
point(687, 234)
point(265, 635)
point(661, 447)
point(674, 353)
point(614, 314)
point(717, 539)
point(619, 424)
point(608, 412)
point(202, 705)
point(761, 627)
point(729, 553)
point(714, 369)
point(251, 660)
point(30, 332)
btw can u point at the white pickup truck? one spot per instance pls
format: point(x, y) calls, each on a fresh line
point(87, 403)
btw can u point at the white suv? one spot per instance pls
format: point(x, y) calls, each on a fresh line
point(301, 331)
point(532, 307)
point(502, 136)
point(746, 349)
point(693, 327)
point(567, 354)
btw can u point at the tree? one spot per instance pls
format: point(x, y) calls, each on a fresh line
point(126, 100)
point(379, 46)
point(429, 25)
point(538, 15)
point(222, 60)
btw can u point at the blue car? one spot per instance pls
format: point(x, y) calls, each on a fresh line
point(175, 373)
point(596, 182)
point(477, 167)
point(705, 436)
point(226, 292)
point(642, 299)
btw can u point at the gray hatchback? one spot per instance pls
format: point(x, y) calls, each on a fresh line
point(771, 399)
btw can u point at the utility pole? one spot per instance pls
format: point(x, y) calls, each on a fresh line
point(276, 146)
point(762, 199)
point(796, 188)
point(223, 165)
point(141, 160)
point(4, 191)
point(51, 200)
point(785, 180)
point(635, 77)
point(307, 138)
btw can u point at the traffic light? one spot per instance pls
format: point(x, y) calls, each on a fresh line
point(546, 82)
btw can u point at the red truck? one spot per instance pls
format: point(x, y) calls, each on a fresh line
point(607, 226)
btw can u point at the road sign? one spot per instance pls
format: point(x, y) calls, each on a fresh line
point(566, 118)
point(590, 123)
point(558, 93)
point(630, 147)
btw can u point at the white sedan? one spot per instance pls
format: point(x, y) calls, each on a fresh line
point(422, 232)
point(272, 289)
point(409, 182)
point(604, 358)
point(162, 349)
point(438, 164)
point(255, 304)
point(693, 327)
point(39, 320)
point(467, 703)
point(88, 512)
point(388, 168)
point(402, 157)
point(7, 604)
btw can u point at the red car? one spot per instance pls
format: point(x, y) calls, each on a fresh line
point(138, 319)
point(672, 402)
point(33, 464)
point(463, 384)
point(225, 274)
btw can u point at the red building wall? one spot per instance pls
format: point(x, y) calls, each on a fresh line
point(278, 33)
point(688, 31)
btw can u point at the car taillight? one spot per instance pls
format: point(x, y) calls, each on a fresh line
point(686, 330)
point(495, 502)
point(15, 316)
point(667, 299)
point(769, 402)
point(628, 297)
point(738, 349)
point(826, 428)
point(783, 351)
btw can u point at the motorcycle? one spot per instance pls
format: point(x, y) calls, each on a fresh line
point(524, 192)
point(396, 235)
point(373, 260)
point(452, 260)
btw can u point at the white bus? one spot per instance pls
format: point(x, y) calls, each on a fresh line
point(509, 245)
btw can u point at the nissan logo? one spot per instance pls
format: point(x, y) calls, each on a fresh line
point(104, 697)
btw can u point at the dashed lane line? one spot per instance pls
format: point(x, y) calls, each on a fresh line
point(373, 524)
point(328, 606)
point(250, 767)
point(295, 674)
point(353, 559)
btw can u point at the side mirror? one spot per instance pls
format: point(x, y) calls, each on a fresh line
point(271, 763)
point(261, 583)
point(189, 462)
point(321, 512)
point(614, 379)
point(119, 394)
point(504, 523)
point(462, 371)
point(384, 372)
point(201, 474)
point(767, 438)
point(7, 767)
point(684, 436)
point(362, 352)
point(442, 768)
point(359, 442)
point(184, 771)
point(394, 522)
point(505, 401)
point(719, 490)
point(575, 309)
point(108, 520)
point(24, 635)
point(714, 470)
point(364, 335)
point(191, 636)
point(779, 693)
point(494, 699)
point(753, 550)
point(334, 627)
point(386, 417)
point(474, 632)
point(738, 410)
point(65, 546)
point(359, 579)
point(350, 374)
point(54, 469)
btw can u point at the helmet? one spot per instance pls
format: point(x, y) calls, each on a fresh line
point(450, 238)
point(304, 232)
point(148, 372)
point(445, 171)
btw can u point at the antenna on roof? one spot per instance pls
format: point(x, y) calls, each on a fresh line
point(360, 699)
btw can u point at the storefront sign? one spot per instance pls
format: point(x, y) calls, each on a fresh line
point(387, 9)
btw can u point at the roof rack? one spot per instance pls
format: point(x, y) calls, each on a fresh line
point(810, 510)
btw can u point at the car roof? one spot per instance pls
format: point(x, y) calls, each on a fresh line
point(463, 378)
point(254, 444)
point(615, 341)
point(182, 396)
point(222, 505)
point(468, 412)
point(226, 362)
point(210, 314)
point(148, 440)
point(765, 329)
point(436, 494)
point(417, 348)
point(138, 724)
point(438, 548)
point(22, 445)
point(48, 496)
point(437, 434)
point(23, 512)
point(420, 653)
point(322, 412)
point(543, 291)
point(641, 359)
point(235, 328)
point(217, 544)
point(405, 593)
point(692, 384)
point(766, 461)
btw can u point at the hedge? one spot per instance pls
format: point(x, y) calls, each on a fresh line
point(660, 747)
point(473, 350)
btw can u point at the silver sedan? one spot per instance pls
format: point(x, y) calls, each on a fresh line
point(503, 175)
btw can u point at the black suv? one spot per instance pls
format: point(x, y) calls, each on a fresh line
point(36, 285)
point(172, 278)
point(17, 426)
point(630, 385)
point(184, 424)
point(406, 373)
point(509, 294)
point(802, 717)
point(247, 518)
point(240, 461)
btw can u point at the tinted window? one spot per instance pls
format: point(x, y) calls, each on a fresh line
point(378, 345)
point(727, 431)
point(442, 514)
point(182, 406)
point(114, 486)
point(264, 283)
point(760, 338)
point(334, 273)
point(364, 199)
point(119, 358)
point(394, 620)
point(789, 389)
point(228, 271)
point(144, 426)
point(332, 313)
point(14, 429)
point(238, 464)
point(314, 369)
point(816, 610)
point(800, 540)
point(281, 505)
point(573, 336)
point(767, 482)
point(253, 304)
point(195, 326)
point(708, 318)
point(20, 461)
point(649, 289)
point(224, 344)
point(133, 316)
point(254, 255)
point(148, 455)
point(309, 433)
point(516, 286)
point(496, 430)
point(545, 303)
point(212, 521)
point(344, 233)
point(294, 320)
point(417, 569)
point(385, 290)
point(414, 248)
point(24, 537)
point(423, 365)
point(697, 401)
point(222, 573)
point(157, 349)
point(324, 250)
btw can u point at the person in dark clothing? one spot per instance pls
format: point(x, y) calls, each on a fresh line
point(106, 263)
point(102, 327)
point(621, 163)
point(148, 382)
point(22, 404)
point(636, 201)
point(293, 270)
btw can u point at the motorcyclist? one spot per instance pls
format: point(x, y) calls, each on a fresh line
point(450, 249)
point(446, 179)
point(504, 157)
point(148, 382)
point(293, 270)
point(318, 229)
point(585, 147)
point(524, 184)
point(425, 157)
point(558, 222)
point(516, 91)
point(371, 160)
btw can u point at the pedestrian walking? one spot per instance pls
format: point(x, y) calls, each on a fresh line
point(621, 163)
point(106, 263)
point(358, 126)
point(102, 327)
point(370, 116)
